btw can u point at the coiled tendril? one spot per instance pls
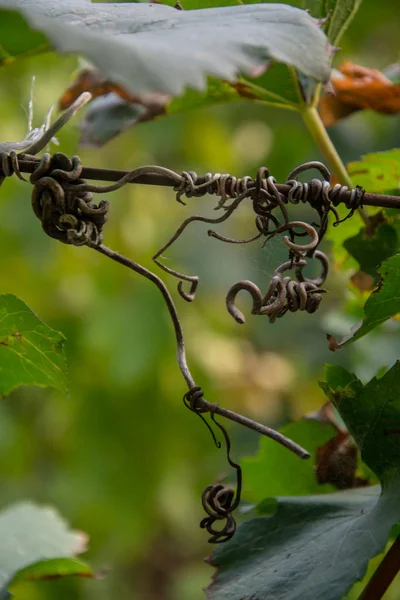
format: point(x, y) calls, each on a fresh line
point(66, 212)
point(270, 207)
point(283, 294)
point(218, 501)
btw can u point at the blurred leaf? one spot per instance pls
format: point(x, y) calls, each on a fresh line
point(17, 38)
point(196, 4)
point(108, 116)
point(370, 251)
point(279, 81)
point(30, 534)
point(337, 463)
point(154, 48)
point(274, 471)
point(52, 568)
point(359, 88)
point(91, 80)
point(114, 109)
point(318, 546)
point(31, 353)
point(378, 173)
point(339, 14)
point(382, 304)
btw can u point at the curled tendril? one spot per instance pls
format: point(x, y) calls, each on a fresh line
point(191, 401)
point(266, 200)
point(189, 296)
point(219, 501)
point(283, 294)
point(66, 214)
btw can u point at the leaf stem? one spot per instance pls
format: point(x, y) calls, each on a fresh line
point(384, 574)
point(317, 129)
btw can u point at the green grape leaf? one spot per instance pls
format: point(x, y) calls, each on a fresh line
point(31, 353)
point(52, 568)
point(274, 471)
point(382, 304)
point(340, 12)
point(152, 48)
point(372, 415)
point(30, 534)
point(312, 547)
point(318, 546)
point(378, 173)
point(371, 250)
point(17, 39)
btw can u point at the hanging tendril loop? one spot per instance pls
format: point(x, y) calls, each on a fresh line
point(219, 501)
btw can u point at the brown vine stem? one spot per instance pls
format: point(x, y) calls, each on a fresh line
point(171, 179)
point(384, 574)
point(203, 404)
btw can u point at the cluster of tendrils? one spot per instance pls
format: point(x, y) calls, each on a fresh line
point(218, 500)
point(270, 207)
point(284, 293)
point(67, 212)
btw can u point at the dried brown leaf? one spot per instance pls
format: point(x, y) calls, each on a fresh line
point(359, 88)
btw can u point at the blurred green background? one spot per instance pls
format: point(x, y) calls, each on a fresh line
point(121, 458)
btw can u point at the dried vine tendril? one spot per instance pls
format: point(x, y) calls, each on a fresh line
point(63, 201)
point(283, 293)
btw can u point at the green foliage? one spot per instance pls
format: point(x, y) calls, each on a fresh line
point(276, 472)
point(382, 304)
point(340, 13)
point(137, 45)
point(378, 172)
point(303, 550)
point(371, 250)
point(87, 455)
point(372, 415)
point(17, 39)
point(52, 568)
point(312, 538)
point(110, 115)
point(30, 352)
point(30, 534)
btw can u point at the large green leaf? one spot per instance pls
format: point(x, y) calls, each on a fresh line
point(30, 534)
point(382, 304)
point(312, 547)
point(154, 48)
point(318, 546)
point(31, 353)
point(274, 471)
point(341, 12)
